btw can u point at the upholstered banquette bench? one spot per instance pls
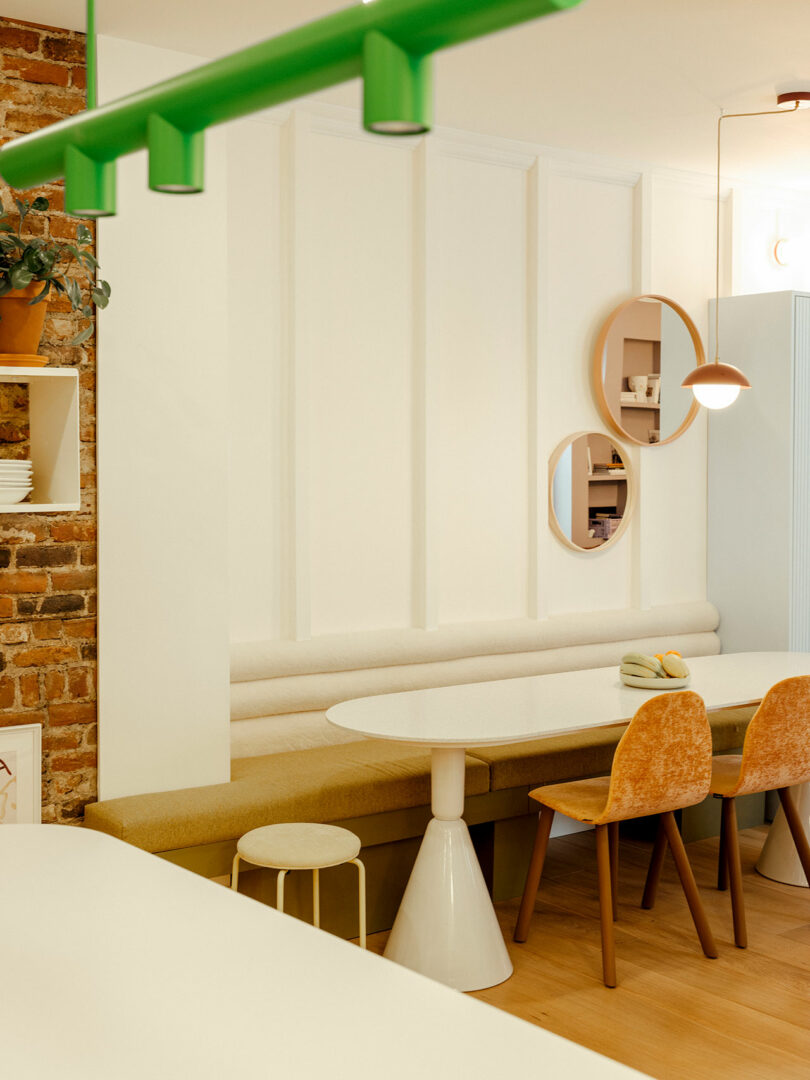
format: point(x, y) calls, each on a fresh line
point(289, 764)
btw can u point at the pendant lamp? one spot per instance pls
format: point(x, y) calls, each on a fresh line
point(718, 385)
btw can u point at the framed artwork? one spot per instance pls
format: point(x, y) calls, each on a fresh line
point(20, 771)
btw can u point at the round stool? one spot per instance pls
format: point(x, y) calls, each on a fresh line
point(302, 847)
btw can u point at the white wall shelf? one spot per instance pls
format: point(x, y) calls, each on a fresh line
point(53, 402)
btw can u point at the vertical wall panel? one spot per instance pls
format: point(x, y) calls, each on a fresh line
point(482, 439)
point(163, 478)
point(354, 245)
point(589, 260)
point(683, 230)
point(254, 380)
point(800, 554)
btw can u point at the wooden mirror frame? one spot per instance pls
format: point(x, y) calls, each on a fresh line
point(598, 385)
point(630, 505)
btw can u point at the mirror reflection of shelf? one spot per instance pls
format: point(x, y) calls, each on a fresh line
point(640, 405)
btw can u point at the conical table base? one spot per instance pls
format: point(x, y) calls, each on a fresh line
point(779, 859)
point(446, 927)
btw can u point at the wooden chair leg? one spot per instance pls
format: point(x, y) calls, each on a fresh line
point(732, 853)
point(656, 865)
point(722, 857)
point(534, 874)
point(613, 844)
point(605, 905)
point(796, 830)
point(688, 884)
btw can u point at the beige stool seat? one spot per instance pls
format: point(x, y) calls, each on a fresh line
point(302, 846)
point(299, 846)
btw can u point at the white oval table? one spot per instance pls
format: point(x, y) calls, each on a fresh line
point(446, 927)
point(163, 974)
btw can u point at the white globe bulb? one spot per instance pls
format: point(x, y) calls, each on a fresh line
point(717, 396)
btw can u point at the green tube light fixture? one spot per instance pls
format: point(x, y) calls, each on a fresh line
point(388, 43)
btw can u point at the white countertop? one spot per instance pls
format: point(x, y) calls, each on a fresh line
point(511, 710)
point(117, 965)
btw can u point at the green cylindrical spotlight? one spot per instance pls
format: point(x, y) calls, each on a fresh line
point(89, 185)
point(176, 158)
point(397, 88)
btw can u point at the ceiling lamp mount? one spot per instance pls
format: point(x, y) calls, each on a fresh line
point(389, 44)
point(718, 385)
point(793, 99)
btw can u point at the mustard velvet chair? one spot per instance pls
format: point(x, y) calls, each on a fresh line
point(662, 763)
point(776, 755)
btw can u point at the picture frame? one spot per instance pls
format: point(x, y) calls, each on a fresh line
point(20, 773)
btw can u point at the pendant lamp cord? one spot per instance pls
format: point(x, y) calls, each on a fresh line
point(90, 53)
point(724, 116)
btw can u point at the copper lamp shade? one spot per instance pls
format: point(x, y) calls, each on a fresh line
point(716, 385)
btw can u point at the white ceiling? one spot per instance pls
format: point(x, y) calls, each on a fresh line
point(632, 79)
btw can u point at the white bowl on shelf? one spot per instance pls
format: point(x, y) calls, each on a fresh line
point(9, 495)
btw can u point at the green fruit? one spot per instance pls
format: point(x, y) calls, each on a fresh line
point(638, 671)
point(675, 667)
point(650, 662)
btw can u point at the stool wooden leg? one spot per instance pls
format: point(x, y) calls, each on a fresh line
point(688, 884)
point(734, 872)
point(605, 905)
point(722, 857)
point(280, 890)
point(796, 830)
point(534, 874)
point(613, 844)
point(656, 865)
point(316, 898)
point(361, 895)
point(235, 873)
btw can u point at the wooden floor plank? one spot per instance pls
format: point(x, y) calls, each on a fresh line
point(675, 1015)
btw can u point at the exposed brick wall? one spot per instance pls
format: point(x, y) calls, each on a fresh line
point(48, 561)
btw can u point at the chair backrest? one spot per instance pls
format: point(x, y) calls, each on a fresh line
point(776, 752)
point(664, 759)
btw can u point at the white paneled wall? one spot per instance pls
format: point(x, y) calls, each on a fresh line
point(481, 445)
point(415, 339)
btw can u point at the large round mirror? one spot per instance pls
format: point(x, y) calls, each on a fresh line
point(645, 349)
point(590, 491)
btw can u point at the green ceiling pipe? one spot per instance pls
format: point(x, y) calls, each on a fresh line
point(397, 88)
point(301, 61)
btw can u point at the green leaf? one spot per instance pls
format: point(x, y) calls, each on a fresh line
point(5, 285)
point(82, 336)
point(5, 227)
point(99, 299)
point(90, 261)
point(59, 285)
point(84, 235)
point(40, 203)
point(74, 293)
point(20, 276)
point(87, 311)
point(105, 288)
point(41, 295)
point(22, 207)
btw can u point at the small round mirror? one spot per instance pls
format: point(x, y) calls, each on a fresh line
point(590, 491)
point(645, 349)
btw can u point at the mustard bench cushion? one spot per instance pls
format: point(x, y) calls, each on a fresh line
point(579, 754)
point(328, 783)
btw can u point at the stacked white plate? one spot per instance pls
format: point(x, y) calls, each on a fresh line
point(16, 480)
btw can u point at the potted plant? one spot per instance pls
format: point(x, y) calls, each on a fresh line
point(32, 268)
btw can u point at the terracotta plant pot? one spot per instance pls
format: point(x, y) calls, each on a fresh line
point(20, 324)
